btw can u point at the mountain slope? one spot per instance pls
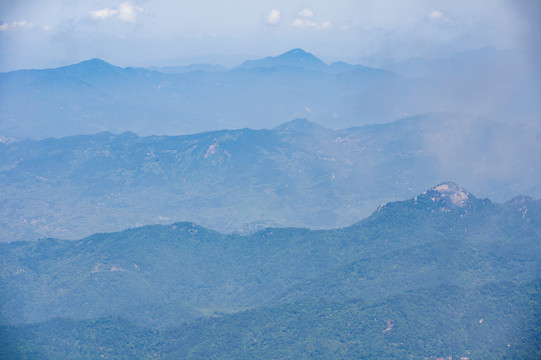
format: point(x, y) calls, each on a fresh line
point(489, 322)
point(298, 174)
point(450, 255)
point(164, 275)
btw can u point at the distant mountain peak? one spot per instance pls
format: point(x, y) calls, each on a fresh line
point(300, 125)
point(95, 61)
point(444, 197)
point(523, 204)
point(521, 199)
point(292, 58)
point(448, 187)
point(449, 190)
point(298, 53)
point(298, 56)
point(93, 64)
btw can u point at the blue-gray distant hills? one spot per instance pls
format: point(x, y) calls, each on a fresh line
point(444, 273)
point(94, 96)
point(298, 58)
point(297, 174)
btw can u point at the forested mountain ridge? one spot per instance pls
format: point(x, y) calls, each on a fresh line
point(162, 275)
point(442, 274)
point(297, 174)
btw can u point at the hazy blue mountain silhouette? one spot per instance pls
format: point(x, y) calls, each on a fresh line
point(95, 96)
point(292, 58)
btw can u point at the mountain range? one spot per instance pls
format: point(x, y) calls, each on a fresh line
point(297, 174)
point(94, 96)
point(170, 212)
point(441, 274)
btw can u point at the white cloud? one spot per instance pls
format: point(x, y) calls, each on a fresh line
point(434, 15)
point(128, 13)
point(306, 23)
point(16, 24)
point(326, 25)
point(21, 23)
point(438, 16)
point(103, 13)
point(274, 17)
point(125, 12)
point(306, 13)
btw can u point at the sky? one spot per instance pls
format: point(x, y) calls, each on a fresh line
point(40, 34)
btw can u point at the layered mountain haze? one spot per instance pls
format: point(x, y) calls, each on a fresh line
point(246, 242)
point(490, 81)
point(94, 96)
point(297, 174)
point(461, 259)
point(332, 180)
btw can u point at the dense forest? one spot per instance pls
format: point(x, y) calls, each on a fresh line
point(442, 274)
